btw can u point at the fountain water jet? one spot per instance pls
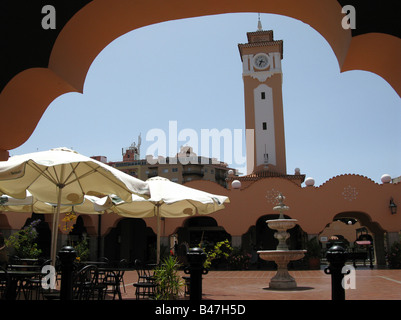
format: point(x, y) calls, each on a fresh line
point(282, 255)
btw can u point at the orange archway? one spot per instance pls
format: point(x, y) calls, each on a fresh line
point(27, 95)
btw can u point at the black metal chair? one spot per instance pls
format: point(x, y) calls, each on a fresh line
point(110, 281)
point(4, 283)
point(187, 281)
point(33, 288)
point(146, 286)
point(86, 284)
point(121, 265)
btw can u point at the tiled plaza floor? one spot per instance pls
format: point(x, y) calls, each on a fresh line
point(312, 285)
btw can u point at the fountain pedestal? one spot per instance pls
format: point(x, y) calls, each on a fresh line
point(282, 256)
point(282, 279)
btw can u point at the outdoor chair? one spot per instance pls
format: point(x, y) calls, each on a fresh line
point(146, 286)
point(32, 288)
point(121, 265)
point(109, 279)
point(104, 259)
point(24, 285)
point(187, 281)
point(4, 283)
point(86, 285)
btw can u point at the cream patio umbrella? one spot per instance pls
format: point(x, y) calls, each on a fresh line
point(63, 176)
point(90, 205)
point(170, 200)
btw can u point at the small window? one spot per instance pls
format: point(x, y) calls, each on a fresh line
point(264, 126)
point(263, 95)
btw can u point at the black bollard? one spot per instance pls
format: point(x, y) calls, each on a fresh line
point(67, 256)
point(336, 256)
point(196, 257)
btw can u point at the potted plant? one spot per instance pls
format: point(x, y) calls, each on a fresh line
point(313, 254)
point(169, 283)
point(394, 256)
point(82, 250)
point(239, 260)
point(23, 242)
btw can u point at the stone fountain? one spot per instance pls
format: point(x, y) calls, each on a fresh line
point(282, 255)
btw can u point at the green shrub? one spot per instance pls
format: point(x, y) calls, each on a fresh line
point(82, 249)
point(24, 243)
point(394, 256)
point(220, 252)
point(238, 260)
point(169, 283)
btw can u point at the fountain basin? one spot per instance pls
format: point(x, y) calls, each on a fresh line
point(281, 255)
point(282, 279)
point(281, 224)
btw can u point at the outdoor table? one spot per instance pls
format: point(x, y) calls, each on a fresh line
point(15, 277)
point(116, 271)
point(95, 263)
point(28, 261)
point(23, 267)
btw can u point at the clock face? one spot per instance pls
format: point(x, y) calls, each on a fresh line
point(260, 61)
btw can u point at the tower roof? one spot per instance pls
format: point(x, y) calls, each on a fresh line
point(262, 38)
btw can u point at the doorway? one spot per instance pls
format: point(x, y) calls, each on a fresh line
point(131, 239)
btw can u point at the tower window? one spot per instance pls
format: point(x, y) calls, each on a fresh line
point(264, 125)
point(263, 95)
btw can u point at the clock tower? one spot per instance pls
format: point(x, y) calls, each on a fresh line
point(261, 64)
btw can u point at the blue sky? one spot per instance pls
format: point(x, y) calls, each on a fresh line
point(189, 71)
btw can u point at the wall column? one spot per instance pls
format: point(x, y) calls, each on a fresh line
point(311, 236)
point(379, 249)
point(236, 241)
point(392, 237)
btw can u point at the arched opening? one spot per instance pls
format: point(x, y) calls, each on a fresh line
point(131, 239)
point(196, 231)
point(261, 237)
point(359, 235)
point(203, 230)
point(44, 233)
point(79, 230)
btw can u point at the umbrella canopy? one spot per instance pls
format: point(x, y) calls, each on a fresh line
point(63, 176)
point(90, 205)
point(170, 200)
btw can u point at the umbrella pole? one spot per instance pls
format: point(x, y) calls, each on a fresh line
point(56, 217)
point(158, 234)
